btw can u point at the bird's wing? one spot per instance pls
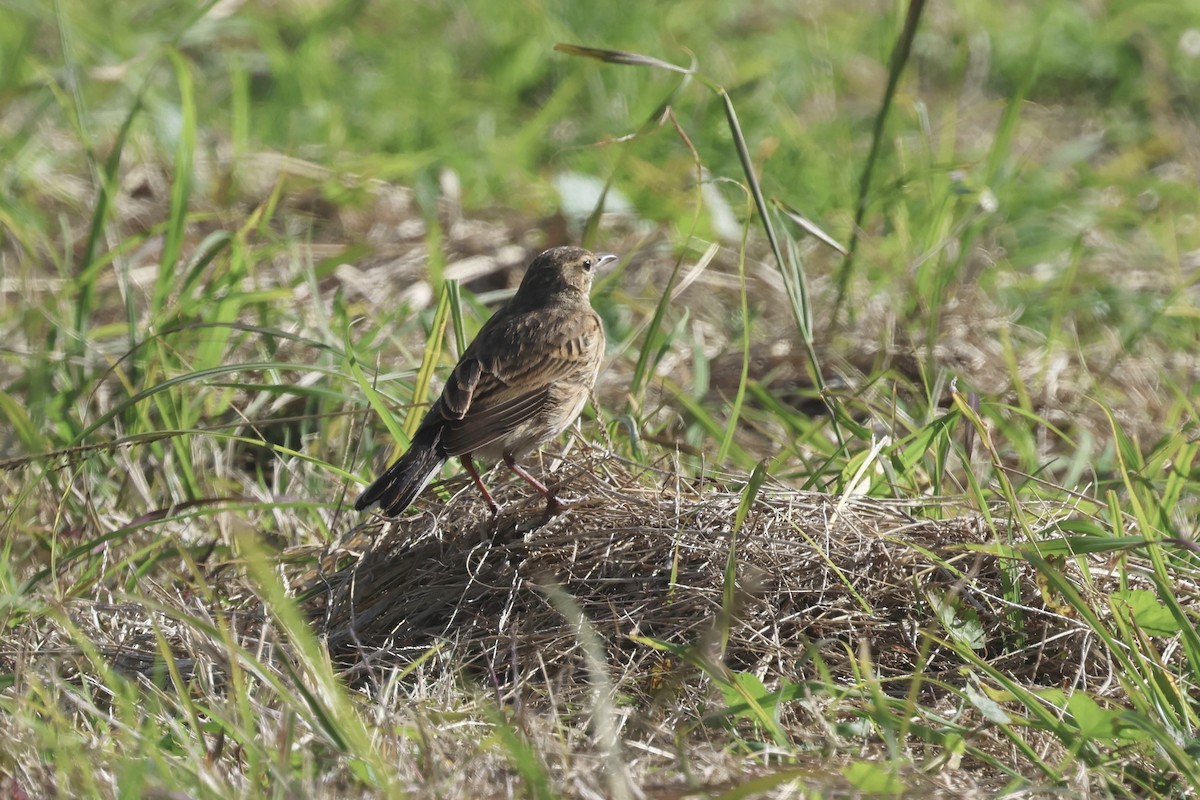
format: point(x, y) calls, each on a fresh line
point(481, 427)
point(460, 388)
point(504, 378)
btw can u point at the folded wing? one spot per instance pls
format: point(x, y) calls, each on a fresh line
point(492, 392)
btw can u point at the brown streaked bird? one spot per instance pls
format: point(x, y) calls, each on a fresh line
point(521, 382)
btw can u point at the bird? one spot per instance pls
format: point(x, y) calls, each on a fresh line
point(524, 378)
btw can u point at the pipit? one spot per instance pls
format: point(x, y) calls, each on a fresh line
point(521, 382)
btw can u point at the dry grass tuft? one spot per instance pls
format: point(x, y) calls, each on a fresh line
point(817, 576)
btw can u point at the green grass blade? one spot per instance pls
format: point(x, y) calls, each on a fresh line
point(429, 364)
point(729, 583)
point(326, 696)
point(896, 66)
point(181, 185)
point(736, 409)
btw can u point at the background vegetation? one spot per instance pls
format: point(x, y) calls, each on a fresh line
point(239, 239)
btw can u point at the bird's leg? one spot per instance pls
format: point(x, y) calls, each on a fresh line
point(469, 465)
point(553, 504)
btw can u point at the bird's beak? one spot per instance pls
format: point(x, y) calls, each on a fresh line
point(606, 258)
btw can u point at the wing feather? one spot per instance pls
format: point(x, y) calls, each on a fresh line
point(506, 375)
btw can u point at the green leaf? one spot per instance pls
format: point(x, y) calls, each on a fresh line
point(1150, 615)
point(960, 620)
point(873, 777)
point(1094, 722)
point(985, 705)
point(747, 684)
point(19, 423)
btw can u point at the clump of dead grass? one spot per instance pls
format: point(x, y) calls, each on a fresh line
point(644, 554)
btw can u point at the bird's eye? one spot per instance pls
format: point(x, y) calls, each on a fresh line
point(587, 265)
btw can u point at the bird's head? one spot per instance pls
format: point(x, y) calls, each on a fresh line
point(559, 271)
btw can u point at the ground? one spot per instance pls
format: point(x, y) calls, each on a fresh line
point(916, 520)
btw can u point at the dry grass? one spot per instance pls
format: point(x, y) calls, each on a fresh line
point(841, 588)
point(644, 555)
point(450, 614)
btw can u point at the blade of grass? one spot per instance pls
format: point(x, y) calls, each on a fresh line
point(808, 226)
point(326, 697)
point(454, 297)
point(429, 364)
point(729, 582)
point(603, 717)
point(739, 142)
point(523, 757)
point(191, 377)
point(736, 409)
point(899, 59)
point(181, 185)
point(89, 265)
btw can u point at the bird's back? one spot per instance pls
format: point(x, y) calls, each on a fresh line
point(522, 382)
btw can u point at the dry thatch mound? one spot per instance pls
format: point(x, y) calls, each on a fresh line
point(817, 576)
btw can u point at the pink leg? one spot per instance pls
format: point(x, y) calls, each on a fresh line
point(553, 506)
point(469, 465)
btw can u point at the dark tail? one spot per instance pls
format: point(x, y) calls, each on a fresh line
point(400, 484)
